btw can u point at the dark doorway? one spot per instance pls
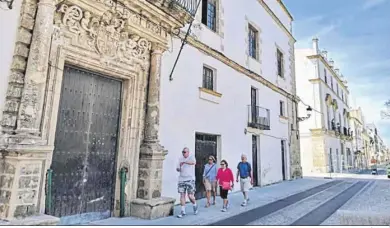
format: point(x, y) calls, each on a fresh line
point(283, 150)
point(255, 160)
point(205, 145)
point(254, 113)
point(84, 157)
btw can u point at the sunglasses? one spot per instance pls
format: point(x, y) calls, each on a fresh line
point(184, 152)
point(223, 164)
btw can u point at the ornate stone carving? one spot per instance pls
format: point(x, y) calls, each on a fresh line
point(107, 35)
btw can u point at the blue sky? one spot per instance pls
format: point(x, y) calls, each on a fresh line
point(356, 34)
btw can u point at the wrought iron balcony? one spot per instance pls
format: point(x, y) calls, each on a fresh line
point(333, 126)
point(259, 117)
point(178, 7)
point(188, 5)
point(345, 131)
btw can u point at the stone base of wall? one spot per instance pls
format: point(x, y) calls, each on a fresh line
point(152, 209)
point(38, 220)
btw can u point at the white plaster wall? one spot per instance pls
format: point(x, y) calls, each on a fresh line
point(9, 21)
point(231, 37)
point(306, 153)
point(279, 12)
point(308, 92)
point(183, 113)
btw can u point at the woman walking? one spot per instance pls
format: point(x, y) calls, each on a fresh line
point(225, 180)
point(209, 180)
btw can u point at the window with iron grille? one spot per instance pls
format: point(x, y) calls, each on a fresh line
point(208, 78)
point(325, 76)
point(209, 14)
point(279, 55)
point(331, 83)
point(281, 104)
point(252, 36)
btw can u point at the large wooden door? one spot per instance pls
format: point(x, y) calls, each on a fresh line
point(84, 157)
point(255, 166)
point(205, 145)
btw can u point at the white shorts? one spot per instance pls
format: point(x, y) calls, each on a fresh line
point(245, 184)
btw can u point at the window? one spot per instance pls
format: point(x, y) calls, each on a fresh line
point(281, 104)
point(209, 14)
point(325, 77)
point(337, 89)
point(331, 83)
point(208, 78)
point(279, 56)
point(342, 95)
point(253, 38)
point(328, 116)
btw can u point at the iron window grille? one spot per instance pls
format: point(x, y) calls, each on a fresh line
point(208, 78)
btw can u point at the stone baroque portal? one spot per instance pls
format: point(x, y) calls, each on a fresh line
point(121, 39)
point(109, 35)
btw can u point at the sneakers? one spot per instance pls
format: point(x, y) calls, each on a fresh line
point(245, 203)
point(195, 209)
point(182, 214)
point(224, 209)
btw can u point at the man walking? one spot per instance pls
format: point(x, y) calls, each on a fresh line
point(244, 172)
point(186, 184)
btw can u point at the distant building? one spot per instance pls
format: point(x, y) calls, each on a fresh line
point(326, 138)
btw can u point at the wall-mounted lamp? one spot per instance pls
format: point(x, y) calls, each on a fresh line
point(8, 2)
point(308, 114)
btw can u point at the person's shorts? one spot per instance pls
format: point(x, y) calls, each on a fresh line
point(210, 185)
point(245, 184)
point(223, 192)
point(186, 187)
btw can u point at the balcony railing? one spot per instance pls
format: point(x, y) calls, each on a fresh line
point(259, 117)
point(188, 5)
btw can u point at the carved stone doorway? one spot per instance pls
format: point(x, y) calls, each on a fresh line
point(84, 158)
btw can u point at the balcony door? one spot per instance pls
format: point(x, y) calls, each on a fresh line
point(254, 104)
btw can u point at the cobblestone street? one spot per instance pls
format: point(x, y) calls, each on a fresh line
point(308, 201)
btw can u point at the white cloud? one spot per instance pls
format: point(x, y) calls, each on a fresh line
point(368, 4)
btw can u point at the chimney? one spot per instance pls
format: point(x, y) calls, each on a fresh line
point(325, 54)
point(337, 70)
point(331, 63)
point(315, 46)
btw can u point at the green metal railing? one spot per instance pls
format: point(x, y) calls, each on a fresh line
point(48, 203)
point(122, 192)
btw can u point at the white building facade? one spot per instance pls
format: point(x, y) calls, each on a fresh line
point(231, 92)
point(325, 138)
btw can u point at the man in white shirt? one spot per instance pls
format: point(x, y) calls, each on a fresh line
point(186, 184)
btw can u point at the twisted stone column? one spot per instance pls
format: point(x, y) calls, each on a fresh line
point(30, 111)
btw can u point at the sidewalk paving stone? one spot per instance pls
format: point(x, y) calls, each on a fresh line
point(259, 196)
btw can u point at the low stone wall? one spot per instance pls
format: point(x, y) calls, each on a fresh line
point(363, 218)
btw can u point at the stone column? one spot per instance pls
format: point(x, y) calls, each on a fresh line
point(22, 167)
point(149, 203)
point(31, 105)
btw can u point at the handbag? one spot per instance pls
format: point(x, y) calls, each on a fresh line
point(226, 185)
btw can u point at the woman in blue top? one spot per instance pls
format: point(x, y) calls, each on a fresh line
point(209, 179)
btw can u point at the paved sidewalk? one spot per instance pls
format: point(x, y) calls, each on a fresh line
point(258, 197)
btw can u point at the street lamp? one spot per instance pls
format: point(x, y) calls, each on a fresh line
point(308, 114)
point(8, 2)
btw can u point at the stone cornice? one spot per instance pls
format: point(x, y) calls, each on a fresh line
point(276, 19)
point(326, 64)
point(319, 80)
point(229, 62)
point(285, 9)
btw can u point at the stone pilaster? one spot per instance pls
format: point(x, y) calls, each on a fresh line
point(149, 203)
point(30, 111)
